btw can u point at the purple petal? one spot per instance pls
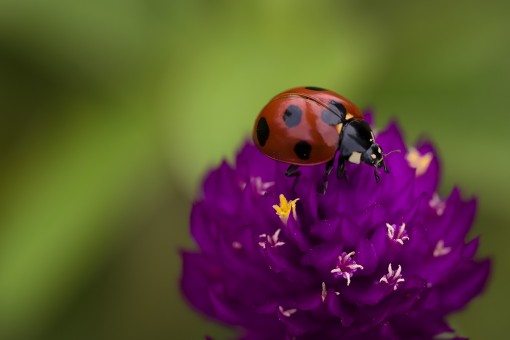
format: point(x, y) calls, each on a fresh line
point(222, 190)
point(367, 257)
point(323, 257)
point(204, 231)
point(341, 229)
point(197, 275)
point(273, 278)
point(466, 284)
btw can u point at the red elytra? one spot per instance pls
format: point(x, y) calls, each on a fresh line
point(303, 125)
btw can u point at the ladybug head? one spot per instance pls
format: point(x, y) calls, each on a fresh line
point(373, 156)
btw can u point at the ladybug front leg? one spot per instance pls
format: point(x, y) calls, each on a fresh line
point(384, 167)
point(292, 172)
point(376, 172)
point(329, 167)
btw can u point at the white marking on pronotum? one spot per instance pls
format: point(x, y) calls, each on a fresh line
point(355, 157)
point(236, 245)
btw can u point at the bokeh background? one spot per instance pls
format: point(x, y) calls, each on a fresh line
point(111, 111)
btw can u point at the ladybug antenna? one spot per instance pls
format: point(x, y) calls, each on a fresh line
point(392, 151)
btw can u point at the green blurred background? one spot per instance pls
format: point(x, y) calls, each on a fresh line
point(111, 111)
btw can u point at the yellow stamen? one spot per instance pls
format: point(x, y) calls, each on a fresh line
point(324, 293)
point(283, 210)
point(419, 162)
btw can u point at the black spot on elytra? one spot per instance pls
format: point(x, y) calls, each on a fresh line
point(302, 149)
point(292, 116)
point(330, 118)
point(262, 131)
point(338, 108)
point(315, 88)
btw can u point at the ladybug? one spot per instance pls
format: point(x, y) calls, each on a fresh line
point(309, 125)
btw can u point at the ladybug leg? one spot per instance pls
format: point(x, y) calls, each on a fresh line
point(340, 170)
point(376, 174)
point(385, 168)
point(292, 172)
point(329, 167)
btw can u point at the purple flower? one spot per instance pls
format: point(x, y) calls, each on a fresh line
point(364, 261)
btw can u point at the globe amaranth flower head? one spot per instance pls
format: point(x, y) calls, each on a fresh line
point(367, 260)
